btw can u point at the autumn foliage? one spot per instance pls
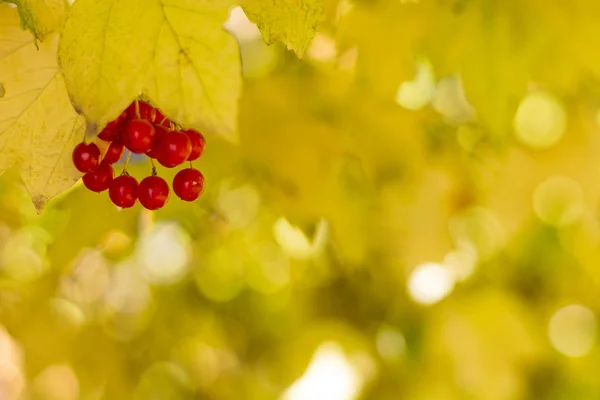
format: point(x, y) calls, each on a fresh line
point(400, 202)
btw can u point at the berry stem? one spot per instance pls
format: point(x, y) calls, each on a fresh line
point(154, 173)
point(191, 166)
point(137, 109)
point(126, 161)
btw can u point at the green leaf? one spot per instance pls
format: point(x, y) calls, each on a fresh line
point(42, 17)
point(38, 126)
point(174, 52)
point(293, 23)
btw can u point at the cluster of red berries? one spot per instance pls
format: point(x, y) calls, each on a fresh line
point(142, 129)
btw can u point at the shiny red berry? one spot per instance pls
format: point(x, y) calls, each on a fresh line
point(114, 153)
point(112, 131)
point(138, 135)
point(174, 149)
point(123, 191)
point(100, 179)
point(86, 157)
point(198, 144)
point(153, 192)
point(160, 133)
point(146, 111)
point(188, 184)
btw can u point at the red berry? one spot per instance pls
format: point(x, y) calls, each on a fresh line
point(188, 184)
point(198, 144)
point(153, 192)
point(114, 153)
point(100, 179)
point(123, 191)
point(160, 133)
point(138, 135)
point(146, 110)
point(86, 157)
point(160, 119)
point(174, 149)
point(112, 131)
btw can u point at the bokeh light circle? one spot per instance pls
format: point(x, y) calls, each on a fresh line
point(540, 120)
point(429, 283)
point(572, 330)
point(558, 201)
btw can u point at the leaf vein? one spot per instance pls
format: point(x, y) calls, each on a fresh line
point(194, 66)
point(27, 108)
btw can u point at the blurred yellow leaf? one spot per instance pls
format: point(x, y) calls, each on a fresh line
point(293, 23)
point(487, 338)
point(386, 40)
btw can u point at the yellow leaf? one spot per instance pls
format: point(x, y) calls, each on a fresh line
point(42, 17)
point(175, 52)
point(293, 23)
point(38, 126)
